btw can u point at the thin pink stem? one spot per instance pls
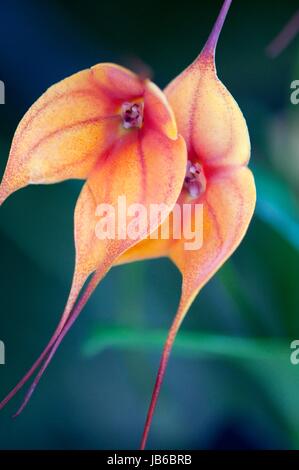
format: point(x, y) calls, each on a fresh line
point(72, 318)
point(47, 362)
point(284, 38)
point(161, 372)
point(42, 356)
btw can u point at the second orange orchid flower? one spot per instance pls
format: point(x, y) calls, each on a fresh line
point(119, 133)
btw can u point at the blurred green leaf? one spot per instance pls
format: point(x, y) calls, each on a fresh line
point(276, 205)
point(188, 343)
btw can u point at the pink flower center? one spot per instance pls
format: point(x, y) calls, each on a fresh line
point(195, 181)
point(132, 114)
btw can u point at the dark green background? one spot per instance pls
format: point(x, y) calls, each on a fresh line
point(230, 383)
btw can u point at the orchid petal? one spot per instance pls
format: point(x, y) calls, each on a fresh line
point(228, 206)
point(61, 136)
point(208, 117)
point(217, 138)
point(147, 163)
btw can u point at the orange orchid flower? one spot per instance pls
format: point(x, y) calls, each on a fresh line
point(117, 131)
point(217, 177)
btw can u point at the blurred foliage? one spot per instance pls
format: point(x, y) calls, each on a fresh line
point(187, 343)
point(230, 383)
point(277, 204)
